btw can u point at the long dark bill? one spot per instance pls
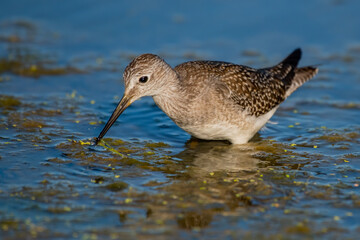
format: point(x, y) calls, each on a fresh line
point(123, 104)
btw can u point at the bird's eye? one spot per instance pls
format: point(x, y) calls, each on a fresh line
point(143, 79)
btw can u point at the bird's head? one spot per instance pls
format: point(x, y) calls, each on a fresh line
point(144, 76)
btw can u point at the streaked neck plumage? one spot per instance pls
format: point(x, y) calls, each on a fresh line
point(171, 98)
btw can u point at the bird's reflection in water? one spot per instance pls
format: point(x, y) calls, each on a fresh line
point(211, 162)
point(211, 156)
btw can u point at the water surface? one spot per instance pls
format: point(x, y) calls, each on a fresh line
point(61, 69)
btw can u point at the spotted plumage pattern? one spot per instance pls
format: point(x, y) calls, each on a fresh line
point(256, 91)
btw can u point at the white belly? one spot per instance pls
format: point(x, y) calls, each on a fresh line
point(237, 134)
point(220, 132)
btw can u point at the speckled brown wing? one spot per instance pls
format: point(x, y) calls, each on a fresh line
point(254, 91)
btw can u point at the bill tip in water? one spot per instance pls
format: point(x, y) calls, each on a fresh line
point(97, 140)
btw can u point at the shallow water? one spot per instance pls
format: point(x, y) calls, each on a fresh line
point(60, 79)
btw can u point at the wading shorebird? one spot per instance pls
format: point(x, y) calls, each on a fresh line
point(212, 100)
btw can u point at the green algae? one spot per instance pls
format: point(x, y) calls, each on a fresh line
point(157, 145)
point(59, 210)
point(9, 102)
point(116, 186)
point(349, 105)
point(98, 180)
point(9, 224)
point(31, 125)
point(77, 150)
point(35, 70)
point(272, 148)
point(41, 112)
point(299, 228)
point(153, 183)
point(58, 160)
point(108, 147)
point(19, 121)
point(31, 63)
point(195, 220)
point(122, 153)
point(337, 137)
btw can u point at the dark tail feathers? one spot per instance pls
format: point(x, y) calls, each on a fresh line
point(293, 59)
point(296, 76)
point(290, 75)
point(285, 70)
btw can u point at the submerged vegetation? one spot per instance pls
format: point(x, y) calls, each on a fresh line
point(144, 184)
point(22, 58)
point(25, 62)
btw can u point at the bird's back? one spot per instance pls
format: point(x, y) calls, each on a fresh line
point(256, 91)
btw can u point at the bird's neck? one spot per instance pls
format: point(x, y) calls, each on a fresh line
point(172, 99)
